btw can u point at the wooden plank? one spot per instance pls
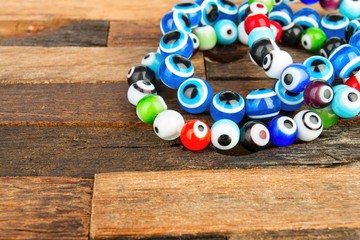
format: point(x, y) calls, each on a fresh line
point(224, 202)
point(45, 208)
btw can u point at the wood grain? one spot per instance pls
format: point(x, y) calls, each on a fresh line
point(45, 208)
point(224, 202)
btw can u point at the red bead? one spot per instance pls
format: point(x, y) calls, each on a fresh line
point(277, 29)
point(195, 135)
point(354, 81)
point(256, 20)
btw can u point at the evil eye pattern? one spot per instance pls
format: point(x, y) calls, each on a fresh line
point(167, 131)
point(175, 20)
point(225, 134)
point(256, 7)
point(140, 72)
point(176, 42)
point(195, 135)
point(345, 60)
point(346, 102)
point(312, 39)
point(138, 90)
point(227, 10)
point(260, 48)
point(307, 18)
point(227, 105)
point(334, 25)
point(153, 60)
point(262, 104)
point(309, 125)
point(289, 101)
point(192, 10)
point(209, 12)
point(254, 136)
point(275, 62)
point(318, 94)
point(195, 95)
point(282, 14)
point(283, 131)
point(295, 77)
point(330, 45)
point(277, 2)
point(320, 68)
point(226, 32)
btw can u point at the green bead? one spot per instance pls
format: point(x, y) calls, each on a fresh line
point(206, 36)
point(149, 107)
point(268, 3)
point(313, 39)
point(327, 115)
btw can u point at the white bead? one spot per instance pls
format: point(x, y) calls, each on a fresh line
point(225, 134)
point(168, 124)
point(309, 125)
point(275, 62)
point(138, 90)
point(243, 36)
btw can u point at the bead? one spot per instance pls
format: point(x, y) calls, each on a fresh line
point(195, 95)
point(275, 62)
point(345, 60)
point(138, 90)
point(140, 72)
point(227, 105)
point(308, 2)
point(277, 3)
point(175, 70)
point(260, 33)
point(277, 30)
point(260, 49)
point(334, 25)
point(338, 87)
point(283, 131)
point(227, 10)
point(291, 34)
point(295, 77)
point(243, 36)
point(176, 42)
point(290, 1)
point(241, 15)
point(320, 68)
point(309, 125)
point(226, 32)
point(350, 8)
point(225, 134)
point(209, 12)
point(346, 102)
point(206, 36)
point(327, 115)
point(355, 40)
point(195, 135)
point(354, 81)
point(175, 20)
point(330, 5)
point(153, 61)
point(330, 45)
point(318, 94)
point(262, 104)
point(353, 27)
point(256, 20)
point(282, 14)
point(192, 10)
point(254, 136)
point(196, 43)
point(307, 18)
point(288, 101)
point(149, 107)
point(167, 131)
point(256, 7)
point(312, 39)
point(268, 3)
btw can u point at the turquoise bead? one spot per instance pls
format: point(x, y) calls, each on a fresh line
point(226, 32)
point(346, 102)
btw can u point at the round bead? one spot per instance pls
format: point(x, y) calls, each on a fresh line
point(153, 60)
point(283, 131)
point(289, 101)
point(334, 25)
point(355, 40)
point(277, 3)
point(262, 104)
point(196, 43)
point(256, 20)
point(140, 72)
point(242, 11)
point(309, 125)
point(309, 1)
point(227, 105)
point(350, 8)
point(243, 36)
point(209, 12)
point(275, 62)
point(260, 33)
point(327, 115)
point(175, 70)
point(176, 42)
point(277, 30)
point(291, 34)
point(320, 68)
point(346, 102)
point(225, 134)
point(354, 26)
point(290, 1)
point(206, 36)
point(295, 77)
point(256, 7)
point(192, 10)
point(226, 32)
point(195, 95)
point(330, 5)
point(227, 10)
point(138, 90)
point(167, 131)
point(354, 81)
point(195, 135)
point(282, 14)
point(149, 107)
point(330, 45)
point(307, 18)
point(318, 94)
point(268, 3)
point(175, 20)
point(345, 60)
point(260, 49)
point(254, 136)
point(312, 39)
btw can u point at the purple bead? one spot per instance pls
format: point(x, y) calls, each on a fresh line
point(318, 94)
point(330, 4)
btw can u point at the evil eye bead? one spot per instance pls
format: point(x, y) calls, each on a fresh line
point(283, 131)
point(256, 20)
point(175, 20)
point(309, 125)
point(295, 77)
point(176, 42)
point(330, 45)
point(355, 40)
point(289, 101)
point(195, 95)
point(195, 135)
point(327, 115)
point(345, 60)
point(320, 68)
point(226, 32)
point(350, 9)
point(312, 39)
point(291, 34)
point(354, 81)
point(318, 94)
point(140, 72)
point(260, 33)
point(209, 12)
point(254, 136)
point(138, 90)
point(256, 7)
point(275, 62)
point(149, 107)
point(207, 37)
point(225, 134)
point(175, 70)
point(192, 10)
point(241, 15)
point(282, 14)
point(330, 5)
point(168, 124)
point(346, 102)
point(227, 105)
point(353, 27)
point(260, 48)
point(227, 10)
point(334, 25)
point(262, 104)
point(307, 18)
point(153, 60)
point(277, 3)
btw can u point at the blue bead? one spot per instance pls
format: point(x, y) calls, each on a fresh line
point(199, 2)
point(209, 12)
point(352, 28)
point(153, 60)
point(334, 25)
point(345, 60)
point(283, 131)
point(241, 11)
point(226, 32)
point(262, 104)
point(175, 70)
point(176, 42)
point(175, 20)
point(260, 33)
point(320, 68)
point(295, 77)
point(227, 105)
point(192, 10)
point(195, 95)
point(289, 101)
point(309, 1)
point(282, 13)
point(350, 8)
point(307, 18)
point(227, 10)
point(355, 40)
point(338, 87)
point(346, 102)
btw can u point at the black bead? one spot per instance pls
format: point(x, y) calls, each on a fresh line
point(140, 72)
point(291, 35)
point(329, 45)
point(247, 138)
point(260, 49)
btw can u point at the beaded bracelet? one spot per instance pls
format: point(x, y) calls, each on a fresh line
point(200, 25)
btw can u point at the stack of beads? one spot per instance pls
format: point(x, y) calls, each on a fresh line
point(260, 24)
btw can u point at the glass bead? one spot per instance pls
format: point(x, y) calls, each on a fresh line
point(308, 2)
point(256, 20)
point(277, 3)
point(225, 134)
point(268, 3)
point(138, 90)
point(330, 5)
point(345, 60)
point(254, 136)
point(149, 107)
point(282, 14)
point(309, 125)
point(354, 81)
point(277, 30)
point(289, 102)
point(327, 115)
point(307, 18)
point(289, 2)
point(354, 26)
point(195, 135)
point(355, 40)
point(209, 12)
point(295, 77)
point(260, 49)
point(260, 33)
point(283, 131)
point(275, 62)
point(243, 36)
point(262, 104)
point(175, 20)
point(334, 25)
point(168, 124)
point(176, 42)
point(241, 15)
point(320, 68)
point(256, 7)
point(153, 61)
point(175, 70)
point(192, 10)
point(291, 34)
point(195, 95)
point(226, 32)
point(350, 8)
point(346, 102)
point(206, 36)
point(227, 105)
point(140, 72)
point(330, 45)
point(318, 94)
point(227, 10)
point(312, 39)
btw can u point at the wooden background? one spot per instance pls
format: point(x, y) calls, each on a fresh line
point(77, 163)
